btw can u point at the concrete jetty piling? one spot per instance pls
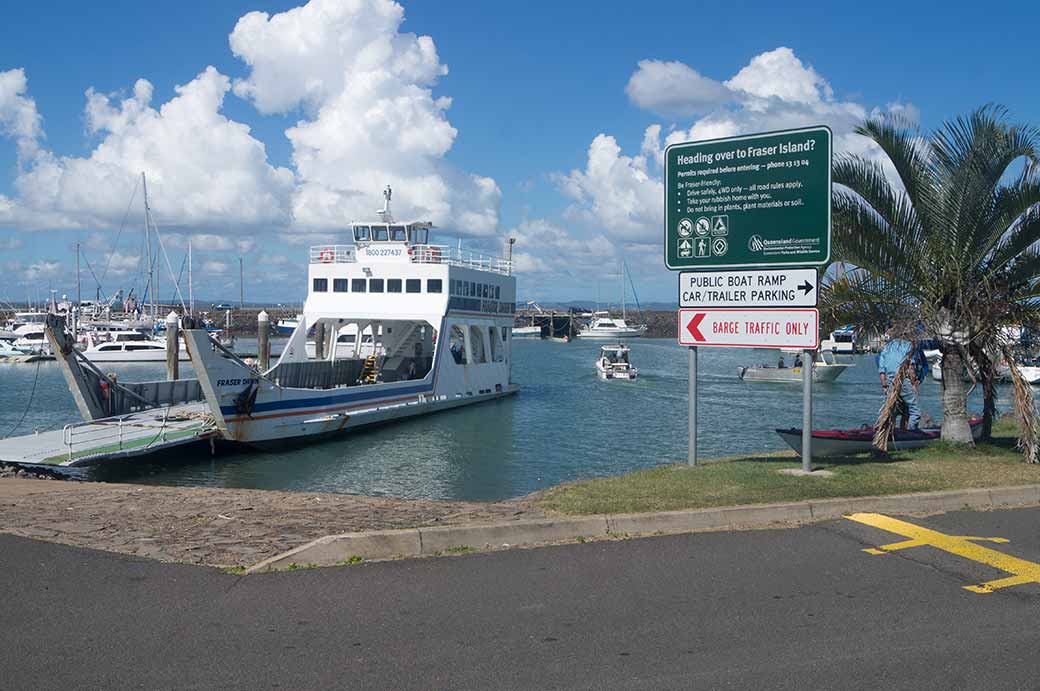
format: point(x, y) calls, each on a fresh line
point(172, 347)
point(263, 340)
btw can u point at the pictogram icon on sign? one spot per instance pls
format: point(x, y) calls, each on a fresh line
point(685, 227)
point(703, 226)
point(685, 248)
point(701, 249)
point(719, 246)
point(720, 225)
point(693, 325)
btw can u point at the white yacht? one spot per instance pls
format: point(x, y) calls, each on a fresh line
point(443, 319)
point(613, 363)
point(605, 326)
point(527, 331)
point(128, 346)
point(32, 340)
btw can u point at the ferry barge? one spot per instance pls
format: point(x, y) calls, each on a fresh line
point(402, 327)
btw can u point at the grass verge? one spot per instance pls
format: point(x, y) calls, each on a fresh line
point(755, 480)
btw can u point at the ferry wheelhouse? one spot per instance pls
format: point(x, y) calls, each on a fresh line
point(400, 327)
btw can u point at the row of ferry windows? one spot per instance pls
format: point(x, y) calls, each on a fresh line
point(477, 290)
point(377, 285)
point(417, 235)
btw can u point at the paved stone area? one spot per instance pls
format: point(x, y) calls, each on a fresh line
point(219, 527)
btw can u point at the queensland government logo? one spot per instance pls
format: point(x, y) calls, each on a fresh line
point(755, 243)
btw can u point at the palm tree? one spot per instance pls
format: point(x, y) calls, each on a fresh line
point(943, 234)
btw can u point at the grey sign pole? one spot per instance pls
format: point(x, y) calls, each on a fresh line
point(807, 371)
point(692, 446)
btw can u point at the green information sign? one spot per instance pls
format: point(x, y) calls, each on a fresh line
point(751, 201)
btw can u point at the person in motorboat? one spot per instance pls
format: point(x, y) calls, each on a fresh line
point(797, 360)
point(889, 361)
point(781, 364)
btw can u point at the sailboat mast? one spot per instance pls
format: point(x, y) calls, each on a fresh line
point(191, 294)
point(148, 242)
point(79, 298)
point(621, 270)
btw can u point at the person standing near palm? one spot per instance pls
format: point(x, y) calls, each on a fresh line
point(892, 357)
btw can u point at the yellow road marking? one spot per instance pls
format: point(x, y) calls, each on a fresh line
point(1021, 570)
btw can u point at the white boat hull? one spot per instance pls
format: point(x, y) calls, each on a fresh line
point(527, 331)
point(822, 374)
point(610, 334)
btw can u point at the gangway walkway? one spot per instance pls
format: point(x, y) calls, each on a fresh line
point(122, 436)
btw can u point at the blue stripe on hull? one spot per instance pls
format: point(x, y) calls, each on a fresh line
point(329, 400)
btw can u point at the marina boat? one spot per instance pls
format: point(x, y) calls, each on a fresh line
point(843, 340)
point(9, 353)
point(826, 369)
point(443, 318)
point(128, 346)
point(32, 340)
point(285, 327)
point(527, 331)
point(603, 326)
point(845, 442)
point(613, 363)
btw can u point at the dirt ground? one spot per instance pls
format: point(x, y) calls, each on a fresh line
point(219, 527)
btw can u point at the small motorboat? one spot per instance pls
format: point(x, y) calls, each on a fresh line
point(613, 363)
point(846, 442)
point(826, 369)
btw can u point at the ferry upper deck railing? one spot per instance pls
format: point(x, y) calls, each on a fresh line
point(418, 254)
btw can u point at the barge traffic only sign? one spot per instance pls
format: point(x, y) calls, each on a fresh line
point(750, 328)
point(763, 288)
point(750, 201)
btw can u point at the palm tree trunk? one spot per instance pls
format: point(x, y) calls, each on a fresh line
point(987, 370)
point(955, 427)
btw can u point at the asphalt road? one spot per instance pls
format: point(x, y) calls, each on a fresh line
point(797, 608)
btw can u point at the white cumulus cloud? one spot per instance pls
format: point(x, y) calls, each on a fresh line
point(365, 90)
point(674, 88)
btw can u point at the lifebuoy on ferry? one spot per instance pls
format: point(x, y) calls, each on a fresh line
point(326, 255)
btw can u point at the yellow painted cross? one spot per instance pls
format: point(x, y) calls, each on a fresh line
point(962, 545)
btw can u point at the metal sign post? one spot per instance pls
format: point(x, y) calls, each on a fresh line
point(692, 442)
point(807, 375)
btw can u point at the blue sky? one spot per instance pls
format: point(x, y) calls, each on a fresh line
point(550, 132)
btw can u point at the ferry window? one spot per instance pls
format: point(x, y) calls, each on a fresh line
point(321, 285)
point(397, 234)
point(393, 285)
point(379, 233)
point(339, 285)
point(375, 285)
point(413, 285)
point(473, 289)
point(458, 345)
point(505, 333)
point(498, 292)
point(465, 288)
point(458, 287)
point(357, 285)
point(420, 235)
point(433, 285)
point(476, 344)
point(484, 291)
point(361, 233)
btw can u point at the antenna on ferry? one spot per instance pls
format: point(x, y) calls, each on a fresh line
point(384, 213)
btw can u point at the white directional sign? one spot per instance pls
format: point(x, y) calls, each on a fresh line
point(750, 328)
point(763, 288)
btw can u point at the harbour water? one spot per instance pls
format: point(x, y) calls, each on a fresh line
point(565, 424)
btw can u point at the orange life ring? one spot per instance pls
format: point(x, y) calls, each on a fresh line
point(326, 256)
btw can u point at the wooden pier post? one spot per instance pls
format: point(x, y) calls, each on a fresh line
point(319, 341)
point(263, 340)
point(172, 347)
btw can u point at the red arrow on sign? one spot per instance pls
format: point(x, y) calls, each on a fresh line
point(692, 327)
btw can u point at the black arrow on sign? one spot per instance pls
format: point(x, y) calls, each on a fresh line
point(806, 287)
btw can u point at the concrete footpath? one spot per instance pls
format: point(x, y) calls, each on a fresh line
point(433, 541)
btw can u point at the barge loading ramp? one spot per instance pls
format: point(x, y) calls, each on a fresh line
point(121, 436)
